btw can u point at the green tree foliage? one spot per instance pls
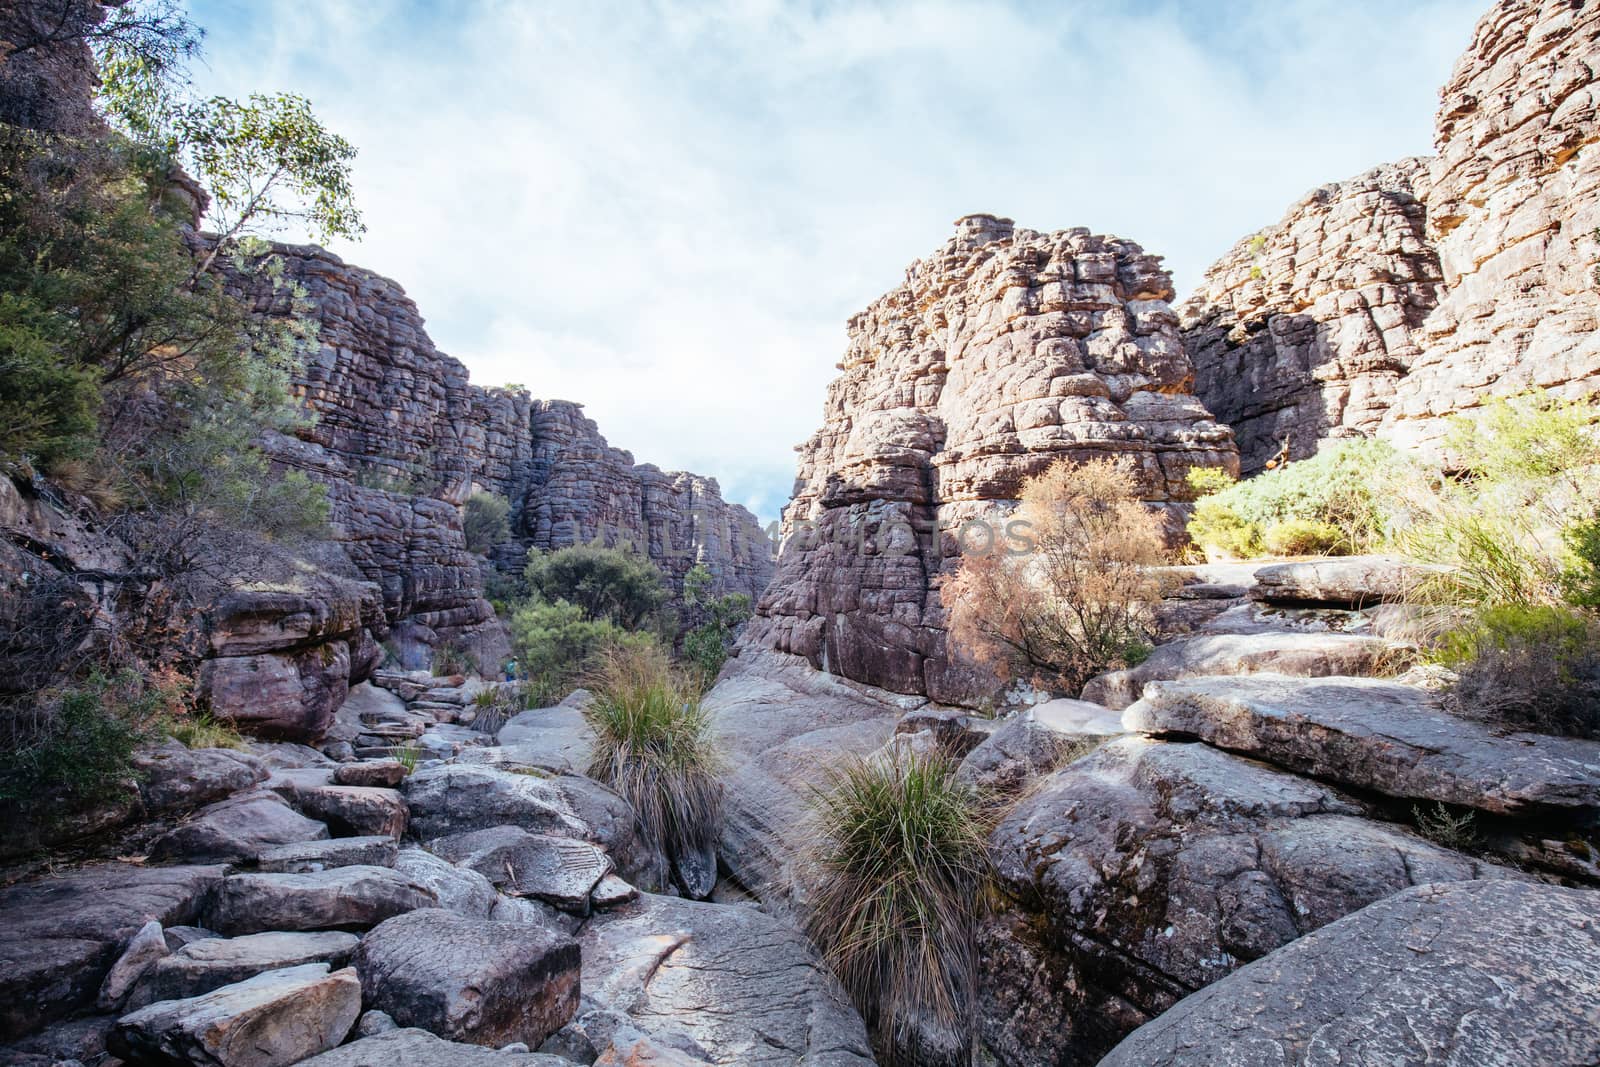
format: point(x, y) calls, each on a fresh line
point(560, 640)
point(618, 585)
point(486, 522)
point(706, 644)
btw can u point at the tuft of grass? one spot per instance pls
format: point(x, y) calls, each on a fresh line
point(1528, 668)
point(653, 745)
point(201, 730)
point(901, 847)
point(407, 756)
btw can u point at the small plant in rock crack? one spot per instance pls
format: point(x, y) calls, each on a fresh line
point(653, 745)
point(407, 756)
point(901, 845)
point(1453, 829)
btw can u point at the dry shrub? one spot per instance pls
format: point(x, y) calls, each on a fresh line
point(1528, 668)
point(1080, 602)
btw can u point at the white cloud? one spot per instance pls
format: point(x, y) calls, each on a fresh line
point(667, 210)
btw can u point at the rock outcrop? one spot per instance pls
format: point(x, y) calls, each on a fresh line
point(1005, 350)
point(402, 438)
point(1381, 305)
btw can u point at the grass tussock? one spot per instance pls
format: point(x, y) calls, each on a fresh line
point(653, 744)
point(901, 847)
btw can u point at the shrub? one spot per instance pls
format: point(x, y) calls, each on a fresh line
point(486, 522)
point(451, 658)
point(1073, 606)
point(1580, 574)
point(615, 584)
point(200, 730)
point(1531, 668)
point(706, 645)
point(1303, 537)
point(1347, 485)
point(653, 746)
point(1204, 481)
point(1452, 829)
point(1218, 528)
point(559, 639)
point(407, 755)
point(74, 747)
point(900, 845)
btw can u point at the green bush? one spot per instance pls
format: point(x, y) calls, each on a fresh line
point(1303, 537)
point(555, 644)
point(706, 645)
point(73, 749)
point(653, 745)
point(1217, 527)
point(901, 846)
point(1580, 575)
point(1528, 667)
point(1204, 481)
point(1348, 485)
point(486, 522)
point(615, 584)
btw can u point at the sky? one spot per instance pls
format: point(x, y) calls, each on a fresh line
point(666, 210)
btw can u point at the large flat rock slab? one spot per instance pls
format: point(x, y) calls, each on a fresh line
point(1372, 734)
point(1149, 869)
point(557, 738)
point(779, 722)
point(61, 934)
point(557, 870)
point(213, 962)
point(1346, 581)
point(471, 980)
point(1301, 654)
point(240, 828)
point(730, 980)
point(453, 799)
point(271, 1020)
point(1467, 973)
point(341, 898)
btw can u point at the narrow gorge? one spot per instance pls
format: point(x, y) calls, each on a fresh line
point(1271, 828)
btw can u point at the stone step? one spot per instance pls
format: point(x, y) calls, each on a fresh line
point(1382, 736)
point(202, 966)
point(342, 898)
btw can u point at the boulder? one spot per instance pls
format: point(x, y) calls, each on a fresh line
point(1306, 655)
point(735, 982)
point(63, 932)
point(457, 889)
point(1035, 742)
point(238, 829)
point(1463, 973)
point(284, 696)
point(212, 963)
point(349, 897)
point(1148, 869)
point(417, 1048)
point(1384, 736)
point(556, 738)
point(176, 778)
point(454, 799)
point(271, 1020)
point(355, 811)
point(950, 731)
point(311, 856)
point(147, 947)
point(1343, 581)
point(557, 870)
point(384, 773)
point(81, 1041)
point(471, 980)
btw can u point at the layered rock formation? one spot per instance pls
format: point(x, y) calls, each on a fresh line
point(402, 437)
point(1384, 304)
point(1005, 350)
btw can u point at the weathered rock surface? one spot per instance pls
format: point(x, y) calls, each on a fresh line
point(1381, 305)
point(775, 750)
point(1034, 742)
point(739, 984)
point(457, 889)
point(63, 932)
point(471, 980)
point(456, 799)
point(417, 1048)
point(1379, 735)
point(348, 897)
point(176, 778)
point(1002, 352)
point(556, 738)
point(271, 1020)
point(147, 947)
point(1147, 870)
point(239, 828)
point(214, 962)
point(556, 870)
point(379, 773)
point(354, 810)
point(1470, 972)
point(323, 855)
point(1349, 581)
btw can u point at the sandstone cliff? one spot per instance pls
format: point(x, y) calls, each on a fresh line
point(1004, 350)
point(1384, 304)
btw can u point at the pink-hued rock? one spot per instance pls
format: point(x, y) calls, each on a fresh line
point(1003, 351)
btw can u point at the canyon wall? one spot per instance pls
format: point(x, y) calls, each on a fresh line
point(1382, 305)
point(1003, 351)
